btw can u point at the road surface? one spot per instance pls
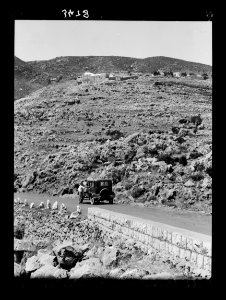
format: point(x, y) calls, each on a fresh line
point(188, 220)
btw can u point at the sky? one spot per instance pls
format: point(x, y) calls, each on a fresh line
point(43, 40)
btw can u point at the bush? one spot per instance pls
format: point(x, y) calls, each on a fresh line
point(166, 158)
point(128, 185)
point(183, 74)
point(137, 191)
point(168, 73)
point(180, 140)
point(183, 121)
point(195, 154)
point(205, 76)
point(153, 152)
point(158, 83)
point(197, 120)
point(130, 155)
point(197, 176)
point(115, 134)
point(209, 171)
point(19, 231)
point(151, 198)
point(175, 130)
point(183, 160)
point(117, 175)
point(156, 73)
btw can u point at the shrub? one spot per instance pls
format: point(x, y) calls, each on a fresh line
point(180, 140)
point(183, 160)
point(183, 74)
point(158, 83)
point(183, 121)
point(166, 158)
point(197, 120)
point(209, 171)
point(130, 155)
point(151, 198)
point(128, 185)
point(205, 76)
point(175, 130)
point(117, 175)
point(19, 231)
point(195, 154)
point(156, 73)
point(153, 152)
point(197, 176)
point(137, 191)
point(115, 134)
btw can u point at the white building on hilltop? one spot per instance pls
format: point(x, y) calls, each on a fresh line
point(92, 78)
point(176, 74)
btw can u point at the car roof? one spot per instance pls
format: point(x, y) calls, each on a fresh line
point(100, 180)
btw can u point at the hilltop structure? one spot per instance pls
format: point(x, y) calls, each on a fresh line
point(91, 77)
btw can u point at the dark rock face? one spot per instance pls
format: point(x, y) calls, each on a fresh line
point(68, 256)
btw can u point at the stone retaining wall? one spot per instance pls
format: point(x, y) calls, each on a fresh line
point(162, 238)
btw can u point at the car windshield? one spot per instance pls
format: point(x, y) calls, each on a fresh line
point(104, 183)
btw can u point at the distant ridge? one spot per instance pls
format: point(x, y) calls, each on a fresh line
point(31, 75)
point(79, 64)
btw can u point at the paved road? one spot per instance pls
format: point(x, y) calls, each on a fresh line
point(188, 220)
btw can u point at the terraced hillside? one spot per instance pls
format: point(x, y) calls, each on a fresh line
point(138, 132)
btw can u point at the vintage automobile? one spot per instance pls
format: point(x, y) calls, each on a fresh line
point(98, 190)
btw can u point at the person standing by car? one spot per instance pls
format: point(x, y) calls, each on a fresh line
point(81, 189)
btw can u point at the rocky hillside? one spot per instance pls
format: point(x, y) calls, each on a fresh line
point(141, 133)
point(29, 76)
point(26, 79)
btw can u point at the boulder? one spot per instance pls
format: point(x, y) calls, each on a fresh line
point(189, 183)
point(32, 205)
point(55, 205)
point(60, 273)
point(41, 205)
point(184, 132)
point(170, 194)
point(68, 256)
point(32, 264)
point(17, 270)
point(46, 271)
point(25, 202)
point(201, 126)
point(88, 268)
point(131, 138)
point(161, 276)
point(74, 215)
point(207, 183)
point(63, 207)
point(134, 273)
point(23, 245)
point(47, 259)
point(48, 204)
point(116, 273)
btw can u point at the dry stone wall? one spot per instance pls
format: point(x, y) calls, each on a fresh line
point(158, 237)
